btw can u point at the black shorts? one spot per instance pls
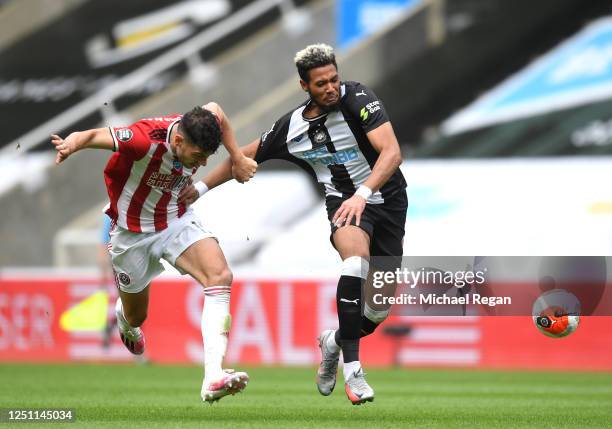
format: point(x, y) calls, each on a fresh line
point(384, 223)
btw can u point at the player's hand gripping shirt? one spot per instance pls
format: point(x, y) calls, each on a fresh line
point(143, 178)
point(334, 147)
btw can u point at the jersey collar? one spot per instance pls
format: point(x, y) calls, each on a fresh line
point(170, 127)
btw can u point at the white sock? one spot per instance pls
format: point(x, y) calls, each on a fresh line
point(216, 321)
point(331, 343)
point(350, 368)
point(121, 320)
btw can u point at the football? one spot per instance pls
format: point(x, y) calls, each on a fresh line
point(556, 313)
point(554, 322)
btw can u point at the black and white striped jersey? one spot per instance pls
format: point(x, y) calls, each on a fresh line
point(333, 147)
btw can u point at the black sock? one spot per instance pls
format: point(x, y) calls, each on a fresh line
point(349, 301)
point(367, 327)
point(337, 338)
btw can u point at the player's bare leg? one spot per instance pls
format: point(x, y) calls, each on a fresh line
point(131, 312)
point(205, 262)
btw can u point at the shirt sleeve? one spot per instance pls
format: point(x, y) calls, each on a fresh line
point(273, 143)
point(366, 107)
point(132, 141)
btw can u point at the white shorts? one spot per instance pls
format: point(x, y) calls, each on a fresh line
point(135, 256)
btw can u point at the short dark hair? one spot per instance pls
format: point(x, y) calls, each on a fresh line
point(314, 56)
point(201, 127)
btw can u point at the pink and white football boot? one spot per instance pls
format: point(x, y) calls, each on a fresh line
point(132, 338)
point(230, 383)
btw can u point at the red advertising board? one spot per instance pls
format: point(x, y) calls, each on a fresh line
point(276, 322)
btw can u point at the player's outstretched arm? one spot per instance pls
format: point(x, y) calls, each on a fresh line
point(99, 138)
point(226, 170)
point(217, 176)
point(244, 168)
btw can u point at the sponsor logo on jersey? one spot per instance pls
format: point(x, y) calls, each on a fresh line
point(124, 134)
point(322, 156)
point(373, 106)
point(166, 182)
point(363, 114)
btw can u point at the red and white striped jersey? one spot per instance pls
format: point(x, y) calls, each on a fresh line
point(143, 178)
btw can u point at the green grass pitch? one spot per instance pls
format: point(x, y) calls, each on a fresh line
point(153, 396)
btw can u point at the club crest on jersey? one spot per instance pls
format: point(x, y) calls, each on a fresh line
point(124, 134)
point(319, 137)
point(123, 278)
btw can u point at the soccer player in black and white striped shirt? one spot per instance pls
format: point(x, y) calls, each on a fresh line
point(343, 137)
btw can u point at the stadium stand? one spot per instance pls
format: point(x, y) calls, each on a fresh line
point(485, 42)
point(18, 19)
point(453, 56)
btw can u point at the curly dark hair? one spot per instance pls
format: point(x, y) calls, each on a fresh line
point(202, 129)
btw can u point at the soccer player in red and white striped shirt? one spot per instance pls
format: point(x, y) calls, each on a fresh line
point(154, 160)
